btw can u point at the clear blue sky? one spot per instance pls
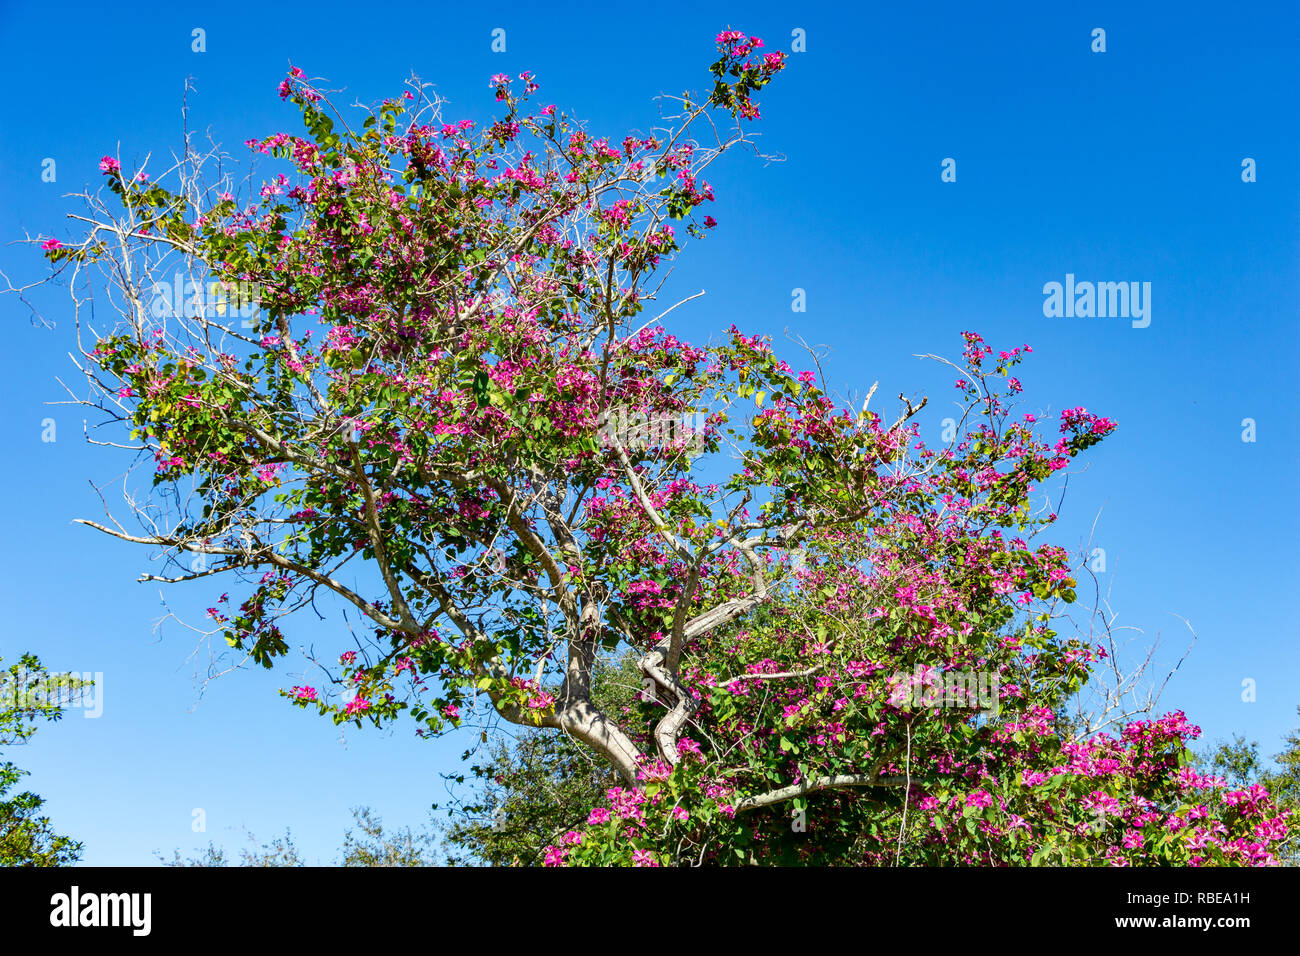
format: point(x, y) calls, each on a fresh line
point(1124, 165)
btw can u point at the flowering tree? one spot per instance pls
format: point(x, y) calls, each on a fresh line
point(448, 410)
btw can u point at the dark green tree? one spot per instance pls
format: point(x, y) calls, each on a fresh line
point(1239, 761)
point(1286, 779)
point(1284, 784)
point(531, 786)
point(371, 845)
point(367, 845)
point(28, 695)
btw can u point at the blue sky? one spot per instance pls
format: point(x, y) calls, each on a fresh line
point(1115, 166)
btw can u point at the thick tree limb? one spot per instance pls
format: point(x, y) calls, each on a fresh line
point(834, 782)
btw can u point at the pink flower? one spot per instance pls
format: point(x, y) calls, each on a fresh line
point(643, 858)
point(49, 245)
point(109, 165)
point(357, 705)
point(597, 817)
point(687, 746)
point(554, 856)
